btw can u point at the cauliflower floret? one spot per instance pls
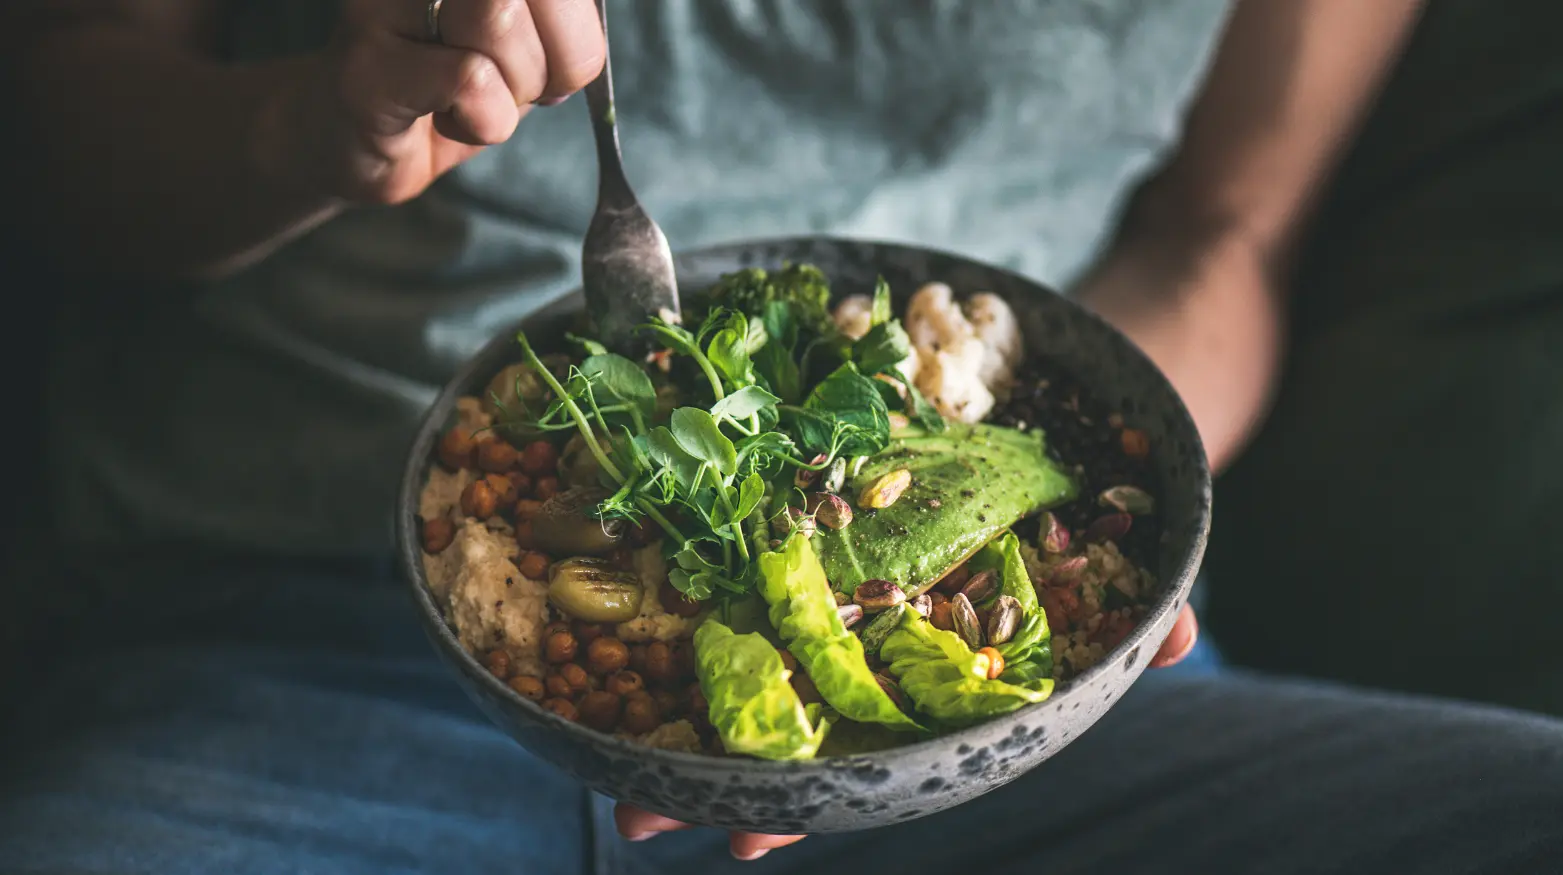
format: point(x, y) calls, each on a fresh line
point(934, 321)
point(854, 315)
point(950, 381)
point(994, 324)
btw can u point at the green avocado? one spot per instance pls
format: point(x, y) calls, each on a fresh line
point(969, 484)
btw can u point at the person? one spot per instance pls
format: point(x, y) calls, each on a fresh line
point(284, 224)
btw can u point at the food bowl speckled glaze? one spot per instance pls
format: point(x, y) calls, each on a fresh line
point(868, 790)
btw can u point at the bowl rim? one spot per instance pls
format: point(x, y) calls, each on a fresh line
point(409, 546)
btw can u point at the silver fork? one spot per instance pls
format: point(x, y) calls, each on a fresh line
point(626, 265)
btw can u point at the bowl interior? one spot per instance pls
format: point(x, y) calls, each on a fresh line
point(958, 766)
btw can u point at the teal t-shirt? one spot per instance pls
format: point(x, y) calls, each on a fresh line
point(271, 412)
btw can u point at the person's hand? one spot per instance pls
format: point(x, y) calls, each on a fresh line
point(637, 825)
point(386, 110)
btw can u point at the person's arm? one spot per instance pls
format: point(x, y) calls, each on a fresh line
point(1195, 274)
point(136, 151)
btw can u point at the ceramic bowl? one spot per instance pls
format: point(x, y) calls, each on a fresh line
point(868, 790)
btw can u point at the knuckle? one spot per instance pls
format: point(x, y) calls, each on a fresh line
point(502, 17)
point(475, 74)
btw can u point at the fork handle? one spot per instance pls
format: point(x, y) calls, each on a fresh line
point(613, 187)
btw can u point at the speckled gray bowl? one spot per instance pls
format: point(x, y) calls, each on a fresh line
point(858, 792)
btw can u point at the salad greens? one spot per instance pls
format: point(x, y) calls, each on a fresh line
point(753, 706)
point(947, 680)
point(803, 611)
point(772, 388)
point(718, 446)
point(1029, 655)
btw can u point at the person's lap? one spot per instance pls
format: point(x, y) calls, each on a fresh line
point(314, 731)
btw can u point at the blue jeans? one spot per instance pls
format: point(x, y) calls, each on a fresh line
point(306, 727)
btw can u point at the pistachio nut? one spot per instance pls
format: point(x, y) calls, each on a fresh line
point(885, 489)
point(1128, 499)
point(875, 633)
point(894, 691)
point(1111, 527)
point(1067, 571)
point(835, 476)
point(1004, 620)
point(594, 590)
point(849, 614)
point(899, 422)
point(964, 617)
point(830, 511)
point(981, 587)
point(857, 465)
point(842, 598)
point(878, 595)
point(804, 478)
point(923, 605)
point(1055, 535)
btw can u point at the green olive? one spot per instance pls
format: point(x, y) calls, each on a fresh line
point(563, 525)
point(594, 591)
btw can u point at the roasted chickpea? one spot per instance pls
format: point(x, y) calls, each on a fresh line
point(660, 665)
point(937, 598)
point(534, 565)
point(667, 701)
point(527, 508)
point(524, 538)
point(995, 662)
point(804, 685)
point(682, 605)
point(497, 662)
point(540, 459)
point(638, 657)
point(563, 707)
point(684, 661)
point(624, 682)
point(478, 500)
point(952, 582)
point(1136, 443)
point(529, 686)
point(559, 625)
point(438, 533)
point(577, 677)
point(607, 655)
point(695, 701)
point(943, 617)
point(522, 483)
point(456, 449)
point(586, 633)
point(545, 488)
point(641, 714)
point(560, 647)
point(600, 710)
point(495, 456)
point(558, 686)
point(504, 490)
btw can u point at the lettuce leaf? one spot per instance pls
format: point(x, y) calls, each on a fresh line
point(803, 611)
point(940, 674)
point(753, 707)
point(1029, 655)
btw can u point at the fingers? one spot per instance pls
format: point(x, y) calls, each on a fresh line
point(571, 33)
point(543, 48)
point(752, 846)
point(637, 825)
point(390, 83)
point(1181, 640)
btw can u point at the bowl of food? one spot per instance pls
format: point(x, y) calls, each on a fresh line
point(871, 531)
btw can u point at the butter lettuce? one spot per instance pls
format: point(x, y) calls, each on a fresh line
point(1029, 655)
point(803, 610)
point(941, 675)
point(753, 707)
